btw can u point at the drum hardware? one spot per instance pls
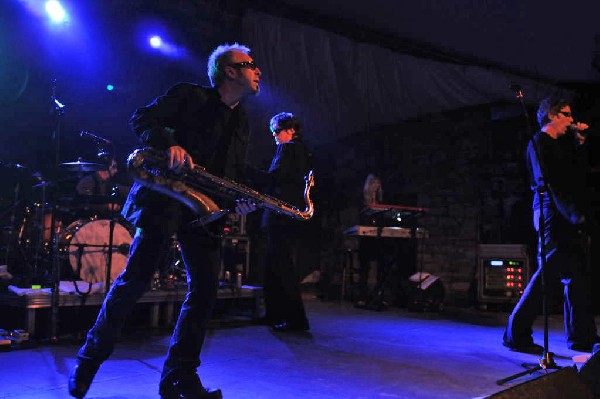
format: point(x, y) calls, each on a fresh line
point(89, 206)
point(79, 257)
point(15, 193)
point(42, 232)
point(174, 269)
point(48, 240)
point(9, 230)
point(109, 259)
point(80, 166)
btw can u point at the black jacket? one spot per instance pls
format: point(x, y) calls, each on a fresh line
point(196, 119)
point(561, 165)
point(291, 163)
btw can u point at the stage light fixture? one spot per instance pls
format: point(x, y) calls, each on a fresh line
point(56, 12)
point(155, 41)
point(110, 87)
point(165, 48)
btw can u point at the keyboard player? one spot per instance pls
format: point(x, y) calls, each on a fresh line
point(379, 231)
point(369, 249)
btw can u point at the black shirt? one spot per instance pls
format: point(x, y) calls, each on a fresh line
point(563, 169)
point(291, 163)
point(196, 119)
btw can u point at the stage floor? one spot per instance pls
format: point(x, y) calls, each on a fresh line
point(348, 354)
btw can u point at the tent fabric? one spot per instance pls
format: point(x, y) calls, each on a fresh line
point(344, 87)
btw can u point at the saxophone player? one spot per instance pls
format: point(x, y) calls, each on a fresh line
point(190, 123)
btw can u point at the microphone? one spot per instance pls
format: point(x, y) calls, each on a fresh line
point(574, 128)
point(94, 137)
point(123, 249)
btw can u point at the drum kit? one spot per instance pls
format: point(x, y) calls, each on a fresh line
point(43, 226)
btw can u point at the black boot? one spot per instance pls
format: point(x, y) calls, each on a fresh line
point(188, 387)
point(292, 326)
point(81, 378)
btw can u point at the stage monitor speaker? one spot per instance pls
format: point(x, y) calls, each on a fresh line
point(590, 371)
point(560, 384)
point(503, 272)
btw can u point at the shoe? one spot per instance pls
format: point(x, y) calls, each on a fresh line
point(187, 388)
point(291, 327)
point(585, 346)
point(81, 378)
point(582, 346)
point(531, 348)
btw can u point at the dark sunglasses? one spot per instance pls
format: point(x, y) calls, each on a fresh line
point(278, 130)
point(566, 114)
point(245, 64)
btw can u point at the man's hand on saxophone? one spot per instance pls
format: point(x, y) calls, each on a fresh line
point(178, 157)
point(245, 206)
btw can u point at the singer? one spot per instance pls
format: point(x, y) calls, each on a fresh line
point(557, 162)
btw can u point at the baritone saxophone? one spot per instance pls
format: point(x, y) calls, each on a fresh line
point(192, 187)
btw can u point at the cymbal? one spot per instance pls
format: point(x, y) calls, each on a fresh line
point(80, 166)
point(10, 165)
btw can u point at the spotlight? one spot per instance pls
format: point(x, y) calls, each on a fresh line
point(56, 12)
point(155, 41)
point(110, 87)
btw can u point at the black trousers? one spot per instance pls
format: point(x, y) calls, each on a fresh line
point(566, 260)
point(201, 257)
point(283, 297)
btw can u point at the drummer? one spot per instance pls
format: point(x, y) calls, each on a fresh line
point(100, 187)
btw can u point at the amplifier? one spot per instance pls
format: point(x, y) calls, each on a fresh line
point(503, 272)
point(235, 258)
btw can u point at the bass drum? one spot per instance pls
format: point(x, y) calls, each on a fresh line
point(86, 245)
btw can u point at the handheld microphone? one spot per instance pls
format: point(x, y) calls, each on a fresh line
point(576, 130)
point(94, 137)
point(575, 126)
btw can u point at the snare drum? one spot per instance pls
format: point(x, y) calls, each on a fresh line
point(86, 245)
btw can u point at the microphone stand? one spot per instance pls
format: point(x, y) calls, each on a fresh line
point(58, 111)
point(545, 362)
point(101, 151)
point(55, 295)
point(111, 232)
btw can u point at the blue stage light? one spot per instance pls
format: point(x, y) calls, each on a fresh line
point(56, 12)
point(155, 41)
point(110, 87)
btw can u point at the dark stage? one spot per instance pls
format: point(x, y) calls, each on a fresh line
point(438, 100)
point(349, 353)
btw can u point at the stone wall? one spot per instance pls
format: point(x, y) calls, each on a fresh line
point(465, 168)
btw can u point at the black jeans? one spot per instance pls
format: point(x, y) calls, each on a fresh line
point(566, 252)
point(283, 297)
point(201, 258)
